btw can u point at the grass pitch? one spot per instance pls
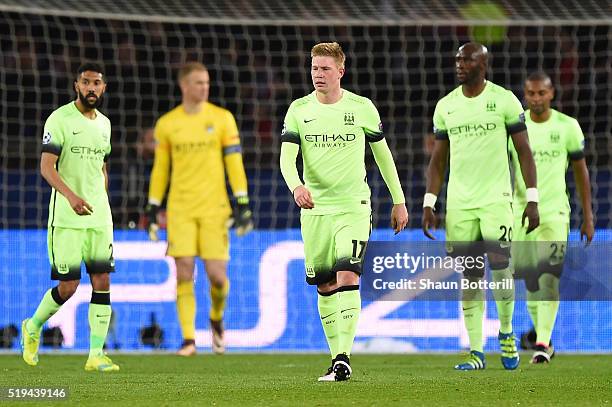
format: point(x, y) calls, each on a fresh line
point(290, 379)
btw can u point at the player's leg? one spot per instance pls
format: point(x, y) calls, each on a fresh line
point(100, 263)
point(65, 264)
point(182, 246)
point(496, 223)
point(317, 235)
point(525, 263)
point(351, 234)
point(551, 253)
point(462, 227)
point(214, 250)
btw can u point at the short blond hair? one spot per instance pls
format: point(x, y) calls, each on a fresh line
point(329, 49)
point(190, 67)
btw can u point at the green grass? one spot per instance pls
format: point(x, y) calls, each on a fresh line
point(265, 379)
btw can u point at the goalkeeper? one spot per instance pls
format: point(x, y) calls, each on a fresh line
point(197, 142)
point(331, 126)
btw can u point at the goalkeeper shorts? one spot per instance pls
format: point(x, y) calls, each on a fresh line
point(205, 237)
point(334, 242)
point(68, 248)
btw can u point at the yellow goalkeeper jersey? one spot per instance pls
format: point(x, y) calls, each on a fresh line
point(191, 154)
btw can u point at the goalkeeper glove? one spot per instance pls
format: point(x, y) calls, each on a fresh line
point(151, 211)
point(243, 217)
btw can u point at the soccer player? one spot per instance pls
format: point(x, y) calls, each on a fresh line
point(472, 123)
point(199, 142)
point(331, 125)
point(75, 147)
point(556, 140)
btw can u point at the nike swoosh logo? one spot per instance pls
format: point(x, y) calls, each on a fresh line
point(354, 261)
point(101, 316)
point(467, 309)
point(326, 316)
point(451, 112)
point(348, 309)
point(308, 121)
point(76, 132)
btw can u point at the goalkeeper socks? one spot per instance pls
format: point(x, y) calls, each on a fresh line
point(186, 308)
point(504, 298)
point(99, 320)
point(218, 295)
point(349, 305)
point(49, 305)
point(548, 306)
point(329, 311)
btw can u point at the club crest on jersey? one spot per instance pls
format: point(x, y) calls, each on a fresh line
point(490, 106)
point(209, 128)
point(554, 136)
point(349, 119)
point(46, 138)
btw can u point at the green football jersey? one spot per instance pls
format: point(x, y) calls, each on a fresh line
point(553, 143)
point(332, 139)
point(477, 129)
point(82, 145)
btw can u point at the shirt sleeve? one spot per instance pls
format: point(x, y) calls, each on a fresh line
point(230, 139)
point(514, 115)
point(439, 125)
point(53, 136)
point(161, 165)
point(575, 141)
point(291, 131)
point(372, 125)
point(108, 147)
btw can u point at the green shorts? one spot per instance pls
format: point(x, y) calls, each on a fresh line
point(333, 243)
point(69, 247)
point(491, 224)
point(541, 251)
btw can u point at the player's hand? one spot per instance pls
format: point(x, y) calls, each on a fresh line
point(243, 217)
point(533, 215)
point(302, 197)
point(79, 205)
point(399, 217)
point(151, 211)
point(587, 231)
point(429, 220)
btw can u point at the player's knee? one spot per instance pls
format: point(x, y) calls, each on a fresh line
point(66, 289)
point(347, 278)
point(498, 261)
point(100, 281)
point(184, 268)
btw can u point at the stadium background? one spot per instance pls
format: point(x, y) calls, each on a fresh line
point(400, 54)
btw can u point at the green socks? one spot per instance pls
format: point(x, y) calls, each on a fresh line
point(504, 299)
point(339, 311)
point(349, 301)
point(548, 306)
point(329, 313)
point(473, 311)
point(49, 305)
point(99, 320)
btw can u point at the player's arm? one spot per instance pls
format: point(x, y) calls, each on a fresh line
point(50, 174)
point(434, 178)
point(520, 140)
point(105, 172)
point(158, 183)
point(290, 147)
point(243, 218)
point(575, 150)
point(386, 165)
point(583, 185)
